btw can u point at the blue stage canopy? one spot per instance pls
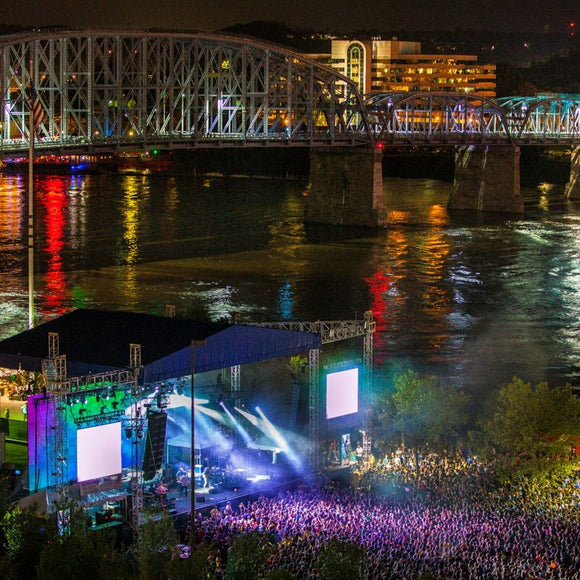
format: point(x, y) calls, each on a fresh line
point(95, 341)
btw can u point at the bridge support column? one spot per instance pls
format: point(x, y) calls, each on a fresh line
point(487, 178)
point(572, 190)
point(346, 187)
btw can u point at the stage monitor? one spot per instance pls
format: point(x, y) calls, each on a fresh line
point(342, 393)
point(98, 451)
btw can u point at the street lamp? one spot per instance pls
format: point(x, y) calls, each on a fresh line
point(194, 343)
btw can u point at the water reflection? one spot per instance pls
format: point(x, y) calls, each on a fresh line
point(54, 199)
point(13, 264)
point(476, 298)
point(133, 216)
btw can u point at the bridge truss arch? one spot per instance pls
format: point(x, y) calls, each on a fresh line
point(432, 118)
point(550, 119)
point(113, 90)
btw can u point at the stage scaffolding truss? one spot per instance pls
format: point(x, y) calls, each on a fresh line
point(333, 331)
point(61, 389)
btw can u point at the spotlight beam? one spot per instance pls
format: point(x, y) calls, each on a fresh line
point(251, 418)
point(273, 432)
point(245, 436)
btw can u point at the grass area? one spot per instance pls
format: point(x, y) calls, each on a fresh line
point(17, 453)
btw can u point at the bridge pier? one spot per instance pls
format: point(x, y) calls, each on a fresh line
point(487, 178)
point(346, 187)
point(572, 190)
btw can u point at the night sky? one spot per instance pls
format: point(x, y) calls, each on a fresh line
point(316, 15)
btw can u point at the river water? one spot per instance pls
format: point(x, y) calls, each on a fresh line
point(475, 299)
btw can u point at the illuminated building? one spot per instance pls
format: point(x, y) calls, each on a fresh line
point(399, 66)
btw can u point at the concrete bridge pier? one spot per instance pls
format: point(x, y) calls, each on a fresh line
point(346, 187)
point(572, 190)
point(487, 178)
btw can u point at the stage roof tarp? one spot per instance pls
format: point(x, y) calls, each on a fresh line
point(95, 341)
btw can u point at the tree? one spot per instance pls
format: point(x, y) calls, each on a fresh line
point(25, 532)
point(512, 82)
point(79, 552)
point(297, 366)
point(89, 555)
point(192, 564)
point(338, 560)
point(248, 555)
point(421, 411)
point(532, 420)
point(153, 548)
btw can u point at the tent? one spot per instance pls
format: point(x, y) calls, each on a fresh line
point(95, 341)
point(42, 500)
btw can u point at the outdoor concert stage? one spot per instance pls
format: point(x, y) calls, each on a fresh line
point(177, 504)
point(118, 431)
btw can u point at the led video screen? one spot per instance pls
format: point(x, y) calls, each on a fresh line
point(98, 451)
point(341, 393)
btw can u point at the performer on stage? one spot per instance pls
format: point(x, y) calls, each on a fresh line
point(205, 477)
point(182, 479)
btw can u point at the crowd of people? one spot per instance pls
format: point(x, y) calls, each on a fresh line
point(444, 519)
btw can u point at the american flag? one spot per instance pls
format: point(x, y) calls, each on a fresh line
point(36, 109)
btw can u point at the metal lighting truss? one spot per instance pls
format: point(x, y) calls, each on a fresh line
point(332, 331)
point(61, 388)
point(114, 90)
point(137, 428)
point(54, 372)
point(235, 384)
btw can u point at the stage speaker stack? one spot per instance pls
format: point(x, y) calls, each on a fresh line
point(154, 443)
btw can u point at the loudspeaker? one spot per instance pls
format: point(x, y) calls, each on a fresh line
point(154, 443)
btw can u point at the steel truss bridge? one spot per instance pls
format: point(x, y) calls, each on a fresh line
point(115, 90)
point(127, 90)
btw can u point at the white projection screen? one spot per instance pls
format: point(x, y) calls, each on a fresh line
point(341, 393)
point(98, 451)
